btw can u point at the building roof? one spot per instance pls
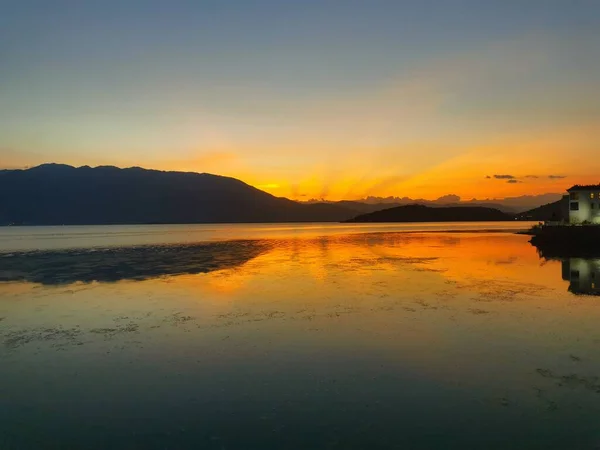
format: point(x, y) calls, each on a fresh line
point(584, 187)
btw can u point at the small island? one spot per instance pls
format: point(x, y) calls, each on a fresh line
point(421, 213)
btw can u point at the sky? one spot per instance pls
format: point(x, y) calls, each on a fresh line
point(313, 98)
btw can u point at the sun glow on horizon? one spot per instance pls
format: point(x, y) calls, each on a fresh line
point(505, 90)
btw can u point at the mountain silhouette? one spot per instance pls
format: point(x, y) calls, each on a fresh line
point(364, 207)
point(421, 213)
point(57, 194)
point(558, 210)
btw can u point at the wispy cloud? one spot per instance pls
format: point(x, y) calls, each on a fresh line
point(515, 179)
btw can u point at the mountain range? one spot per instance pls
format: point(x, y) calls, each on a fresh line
point(57, 194)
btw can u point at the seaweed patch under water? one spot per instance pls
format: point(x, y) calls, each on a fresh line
point(126, 263)
point(19, 338)
point(591, 383)
point(111, 332)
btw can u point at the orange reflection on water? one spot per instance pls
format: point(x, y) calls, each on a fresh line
point(411, 257)
point(434, 301)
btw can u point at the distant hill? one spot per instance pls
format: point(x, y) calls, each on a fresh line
point(551, 211)
point(364, 208)
point(421, 213)
point(56, 194)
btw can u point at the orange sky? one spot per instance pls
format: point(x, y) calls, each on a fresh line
point(423, 102)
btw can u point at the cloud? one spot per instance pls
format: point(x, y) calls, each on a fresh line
point(449, 198)
point(487, 176)
point(513, 179)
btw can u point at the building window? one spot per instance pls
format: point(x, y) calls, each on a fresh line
point(591, 195)
point(574, 206)
point(592, 205)
point(574, 195)
point(574, 274)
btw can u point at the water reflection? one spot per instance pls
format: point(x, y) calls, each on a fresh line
point(580, 266)
point(391, 252)
point(381, 340)
point(322, 257)
point(583, 275)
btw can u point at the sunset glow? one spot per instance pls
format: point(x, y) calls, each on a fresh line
point(314, 100)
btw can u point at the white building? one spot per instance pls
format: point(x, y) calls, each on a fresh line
point(584, 204)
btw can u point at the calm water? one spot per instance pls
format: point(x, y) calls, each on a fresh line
point(61, 237)
point(285, 337)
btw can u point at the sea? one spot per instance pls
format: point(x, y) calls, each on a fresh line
point(296, 336)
